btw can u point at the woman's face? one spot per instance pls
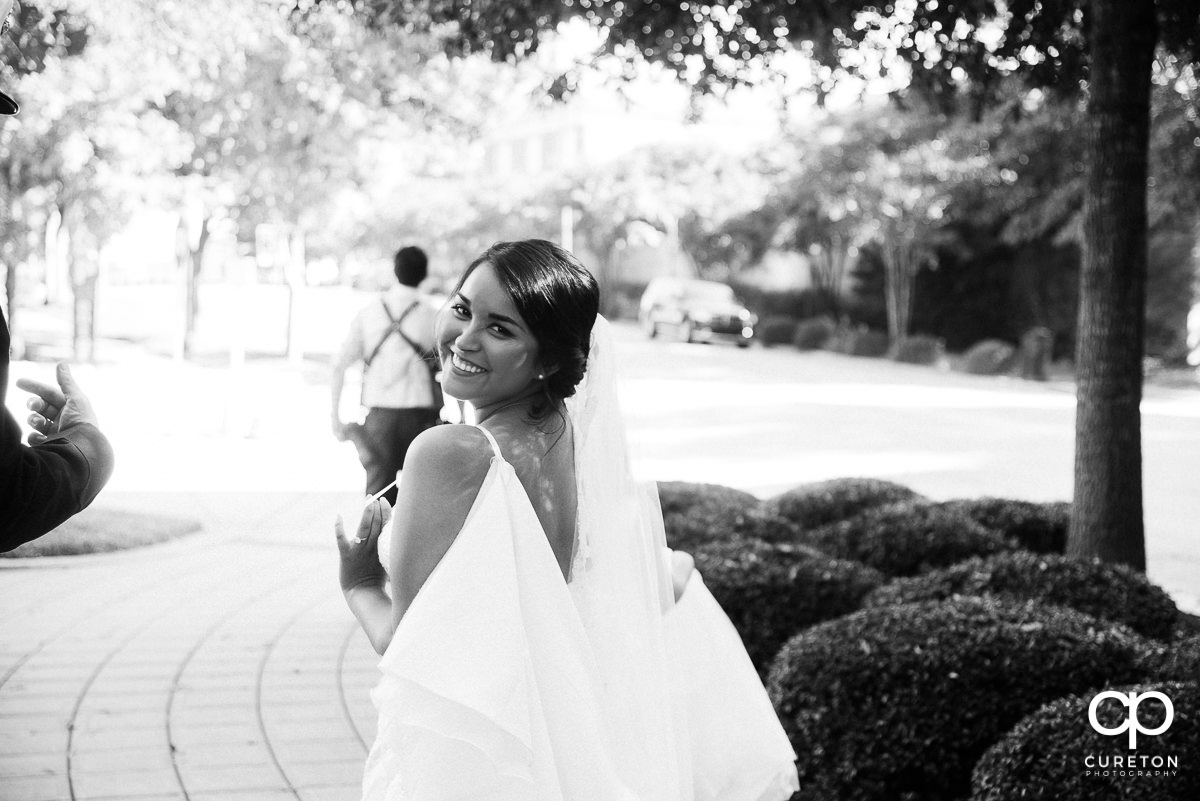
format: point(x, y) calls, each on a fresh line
point(489, 355)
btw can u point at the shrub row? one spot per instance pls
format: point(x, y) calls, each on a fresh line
point(906, 538)
point(895, 690)
point(1037, 527)
point(1110, 592)
point(1178, 662)
point(989, 357)
point(823, 333)
point(771, 591)
point(813, 505)
point(1046, 756)
point(904, 699)
point(919, 349)
point(697, 514)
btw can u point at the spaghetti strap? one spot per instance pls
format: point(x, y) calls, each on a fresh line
point(492, 440)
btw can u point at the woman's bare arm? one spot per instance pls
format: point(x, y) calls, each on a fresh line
point(443, 473)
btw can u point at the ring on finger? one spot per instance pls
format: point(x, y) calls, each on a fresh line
point(359, 540)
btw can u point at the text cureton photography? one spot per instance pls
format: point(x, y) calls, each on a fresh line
point(1162, 712)
point(1109, 766)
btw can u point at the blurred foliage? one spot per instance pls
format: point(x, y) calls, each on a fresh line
point(39, 35)
point(953, 52)
point(954, 212)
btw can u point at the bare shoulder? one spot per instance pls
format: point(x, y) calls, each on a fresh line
point(449, 456)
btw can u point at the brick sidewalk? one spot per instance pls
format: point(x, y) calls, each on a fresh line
point(220, 666)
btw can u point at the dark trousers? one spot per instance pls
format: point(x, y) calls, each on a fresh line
point(382, 442)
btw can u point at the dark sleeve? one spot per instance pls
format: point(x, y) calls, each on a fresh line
point(43, 485)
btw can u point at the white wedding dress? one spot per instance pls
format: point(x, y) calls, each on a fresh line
point(503, 682)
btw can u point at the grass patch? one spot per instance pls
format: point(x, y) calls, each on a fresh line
point(102, 530)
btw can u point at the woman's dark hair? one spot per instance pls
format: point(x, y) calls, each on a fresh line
point(557, 298)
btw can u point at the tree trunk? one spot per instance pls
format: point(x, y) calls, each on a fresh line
point(899, 271)
point(83, 316)
point(83, 270)
point(193, 265)
point(828, 268)
point(1107, 520)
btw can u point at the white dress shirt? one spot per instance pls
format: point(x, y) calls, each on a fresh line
point(397, 377)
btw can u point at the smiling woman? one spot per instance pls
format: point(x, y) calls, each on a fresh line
point(532, 302)
point(527, 615)
point(489, 357)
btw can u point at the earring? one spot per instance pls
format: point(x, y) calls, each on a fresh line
point(541, 376)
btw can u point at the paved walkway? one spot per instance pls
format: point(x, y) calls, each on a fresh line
point(220, 666)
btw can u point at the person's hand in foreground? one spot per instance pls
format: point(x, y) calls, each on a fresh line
point(360, 566)
point(55, 409)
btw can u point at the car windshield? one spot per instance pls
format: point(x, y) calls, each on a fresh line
point(709, 293)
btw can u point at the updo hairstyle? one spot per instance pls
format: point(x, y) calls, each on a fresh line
point(557, 298)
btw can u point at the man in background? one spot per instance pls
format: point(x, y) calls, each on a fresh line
point(391, 336)
point(68, 460)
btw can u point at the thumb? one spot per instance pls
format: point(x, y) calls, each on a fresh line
point(65, 380)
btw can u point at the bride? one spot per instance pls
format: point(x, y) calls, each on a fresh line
point(538, 639)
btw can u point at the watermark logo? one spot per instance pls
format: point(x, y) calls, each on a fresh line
point(1131, 723)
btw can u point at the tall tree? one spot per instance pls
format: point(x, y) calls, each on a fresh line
point(38, 36)
point(1107, 519)
point(955, 51)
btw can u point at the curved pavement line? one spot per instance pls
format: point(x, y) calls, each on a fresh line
point(87, 685)
point(91, 679)
point(67, 626)
point(351, 630)
point(175, 679)
point(258, 695)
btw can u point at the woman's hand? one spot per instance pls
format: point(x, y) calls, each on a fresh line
point(360, 565)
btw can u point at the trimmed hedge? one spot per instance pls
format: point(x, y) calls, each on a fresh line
point(1111, 592)
point(867, 343)
point(1046, 757)
point(1188, 626)
point(696, 514)
point(763, 524)
point(1179, 662)
point(776, 330)
point(907, 538)
point(813, 505)
point(772, 591)
point(683, 496)
point(1037, 527)
point(989, 357)
point(813, 333)
point(900, 701)
point(919, 349)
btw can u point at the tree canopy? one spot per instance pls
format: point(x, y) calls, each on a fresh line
point(948, 47)
point(957, 53)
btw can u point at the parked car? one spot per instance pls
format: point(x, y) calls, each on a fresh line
point(695, 310)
